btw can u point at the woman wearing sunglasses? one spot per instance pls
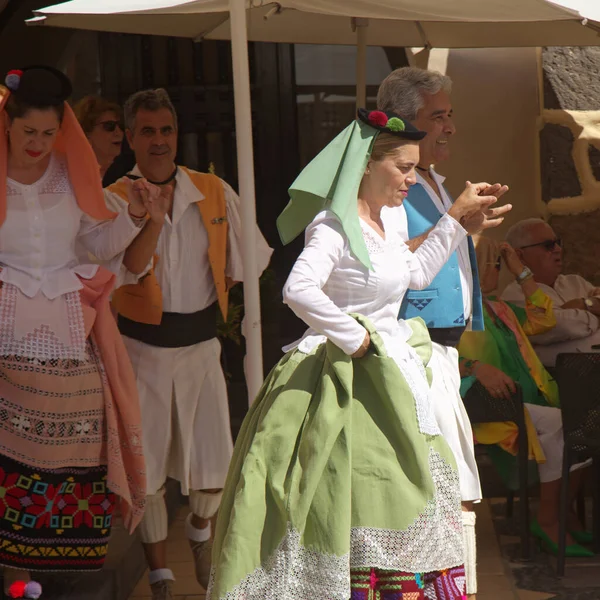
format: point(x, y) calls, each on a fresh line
point(499, 358)
point(101, 121)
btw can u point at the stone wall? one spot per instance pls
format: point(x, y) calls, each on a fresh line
point(570, 154)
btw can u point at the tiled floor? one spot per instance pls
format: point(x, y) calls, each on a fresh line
point(494, 575)
point(582, 580)
point(494, 578)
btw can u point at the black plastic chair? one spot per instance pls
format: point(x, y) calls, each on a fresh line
point(482, 407)
point(578, 378)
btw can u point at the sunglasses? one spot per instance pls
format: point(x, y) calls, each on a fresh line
point(547, 245)
point(110, 126)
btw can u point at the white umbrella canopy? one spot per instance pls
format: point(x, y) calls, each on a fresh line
point(404, 23)
point(435, 23)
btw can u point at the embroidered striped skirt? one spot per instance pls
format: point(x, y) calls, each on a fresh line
point(54, 520)
point(376, 584)
point(55, 506)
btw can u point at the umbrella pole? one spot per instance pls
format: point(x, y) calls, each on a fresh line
point(245, 161)
point(361, 25)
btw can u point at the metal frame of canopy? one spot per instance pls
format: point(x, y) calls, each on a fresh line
point(245, 154)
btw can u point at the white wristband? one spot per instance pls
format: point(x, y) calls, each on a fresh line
point(525, 274)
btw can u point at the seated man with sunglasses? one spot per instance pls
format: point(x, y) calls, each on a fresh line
point(576, 301)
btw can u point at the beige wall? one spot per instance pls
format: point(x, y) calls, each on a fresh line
point(496, 108)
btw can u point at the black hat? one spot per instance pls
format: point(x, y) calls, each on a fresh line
point(389, 122)
point(39, 85)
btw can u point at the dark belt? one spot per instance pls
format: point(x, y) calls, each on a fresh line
point(176, 330)
point(446, 336)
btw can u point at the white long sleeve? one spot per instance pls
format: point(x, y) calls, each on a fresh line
point(571, 323)
point(107, 239)
point(428, 259)
point(303, 293)
point(235, 268)
point(124, 275)
point(576, 330)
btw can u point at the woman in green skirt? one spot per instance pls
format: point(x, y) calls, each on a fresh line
point(340, 485)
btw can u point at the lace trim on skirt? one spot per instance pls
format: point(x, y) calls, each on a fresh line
point(432, 543)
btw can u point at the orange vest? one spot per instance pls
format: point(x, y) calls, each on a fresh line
point(142, 302)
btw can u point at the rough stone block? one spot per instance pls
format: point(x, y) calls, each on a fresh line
point(571, 78)
point(559, 175)
point(581, 242)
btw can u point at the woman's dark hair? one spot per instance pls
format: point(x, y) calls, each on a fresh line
point(37, 88)
point(17, 109)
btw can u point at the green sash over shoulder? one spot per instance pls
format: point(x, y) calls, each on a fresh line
point(331, 472)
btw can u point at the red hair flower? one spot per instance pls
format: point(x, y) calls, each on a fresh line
point(378, 118)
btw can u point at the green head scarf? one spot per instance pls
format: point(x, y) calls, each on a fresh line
point(332, 179)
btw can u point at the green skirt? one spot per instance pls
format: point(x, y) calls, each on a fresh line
point(330, 472)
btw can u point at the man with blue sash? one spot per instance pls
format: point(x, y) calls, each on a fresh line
point(452, 303)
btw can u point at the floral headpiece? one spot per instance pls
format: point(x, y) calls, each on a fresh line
point(13, 79)
point(387, 122)
point(331, 181)
point(39, 85)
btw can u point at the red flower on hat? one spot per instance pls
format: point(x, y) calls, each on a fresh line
point(13, 78)
point(17, 589)
point(378, 118)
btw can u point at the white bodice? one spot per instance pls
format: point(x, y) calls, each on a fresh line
point(42, 230)
point(328, 282)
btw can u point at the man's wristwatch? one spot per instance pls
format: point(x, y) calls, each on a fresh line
point(589, 302)
point(525, 274)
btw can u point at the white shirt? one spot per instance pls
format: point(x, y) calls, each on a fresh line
point(42, 228)
point(576, 330)
point(328, 283)
point(183, 271)
point(464, 262)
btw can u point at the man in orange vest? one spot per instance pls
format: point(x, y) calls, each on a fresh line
point(168, 321)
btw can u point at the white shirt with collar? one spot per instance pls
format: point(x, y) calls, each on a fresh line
point(183, 270)
point(464, 263)
point(576, 330)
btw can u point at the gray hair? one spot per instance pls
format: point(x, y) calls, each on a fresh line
point(402, 90)
point(519, 234)
point(151, 100)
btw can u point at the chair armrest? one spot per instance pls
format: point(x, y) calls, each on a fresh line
point(482, 407)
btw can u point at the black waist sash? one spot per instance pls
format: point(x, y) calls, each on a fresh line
point(446, 336)
point(176, 330)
